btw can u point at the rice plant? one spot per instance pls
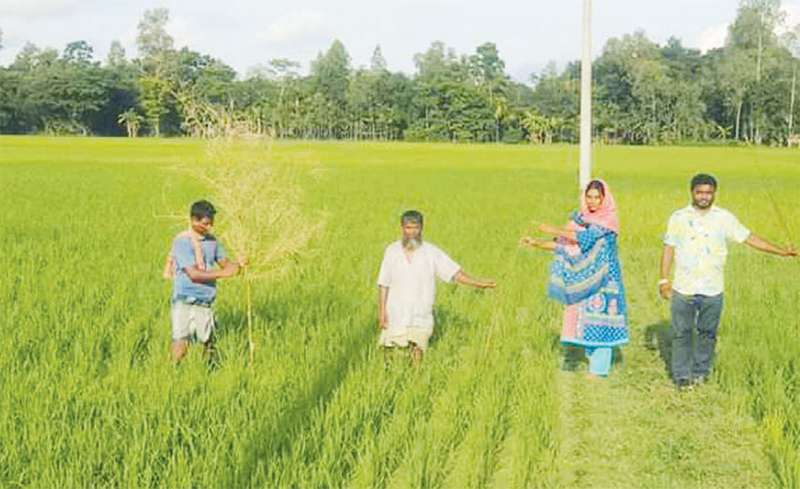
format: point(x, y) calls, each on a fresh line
point(89, 397)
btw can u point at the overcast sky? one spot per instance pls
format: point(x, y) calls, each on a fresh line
point(246, 33)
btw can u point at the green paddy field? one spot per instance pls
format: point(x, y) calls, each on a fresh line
point(89, 397)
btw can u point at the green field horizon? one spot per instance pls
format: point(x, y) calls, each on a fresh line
point(90, 398)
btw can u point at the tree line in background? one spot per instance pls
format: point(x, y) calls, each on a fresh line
point(643, 93)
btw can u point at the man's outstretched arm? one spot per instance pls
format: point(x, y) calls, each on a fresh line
point(463, 277)
point(761, 244)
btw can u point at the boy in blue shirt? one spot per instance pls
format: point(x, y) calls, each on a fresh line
point(191, 268)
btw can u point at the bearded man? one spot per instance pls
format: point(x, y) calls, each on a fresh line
point(697, 238)
point(407, 287)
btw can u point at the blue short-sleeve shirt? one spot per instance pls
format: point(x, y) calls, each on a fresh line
point(183, 288)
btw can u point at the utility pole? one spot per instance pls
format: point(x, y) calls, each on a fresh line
point(586, 97)
point(791, 103)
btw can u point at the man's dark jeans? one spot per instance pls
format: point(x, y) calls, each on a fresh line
point(690, 312)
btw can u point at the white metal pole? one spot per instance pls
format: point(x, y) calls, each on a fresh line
point(586, 97)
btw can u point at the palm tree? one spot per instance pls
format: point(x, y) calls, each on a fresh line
point(131, 119)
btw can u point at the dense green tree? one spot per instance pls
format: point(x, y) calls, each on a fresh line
point(644, 93)
point(153, 40)
point(52, 93)
point(377, 110)
point(398, 90)
point(122, 76)
point(116, 55)
point(436, 70)
point(558, 95)
point(283, 72)
point(792, 43)
point(377, 63)
point(330, 74)
point(12, 119)
point(157, 62)
point(489, 72)
point(753, 35)
point(78, 53)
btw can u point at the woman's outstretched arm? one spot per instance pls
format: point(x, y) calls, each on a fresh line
point(545, 244)
point(556, 231)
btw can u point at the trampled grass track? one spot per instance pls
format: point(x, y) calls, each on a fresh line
point(85, 373)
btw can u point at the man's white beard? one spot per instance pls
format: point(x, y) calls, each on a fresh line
point(412, 243)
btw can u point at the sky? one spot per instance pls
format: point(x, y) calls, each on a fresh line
point(248, 33)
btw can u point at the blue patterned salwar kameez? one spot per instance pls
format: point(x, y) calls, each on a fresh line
point(589, 282)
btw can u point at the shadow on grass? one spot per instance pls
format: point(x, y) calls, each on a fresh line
point(575, 358)
point(322, 307)
point(273, 439)
point(448, 322)
point(285, 306)
point(658, 336)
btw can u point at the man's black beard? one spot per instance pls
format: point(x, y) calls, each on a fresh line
point(412, 243)
point(703, 207)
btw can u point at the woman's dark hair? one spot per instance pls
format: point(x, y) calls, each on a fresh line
point(201, 209)
point(597, 185)
point(703, 179)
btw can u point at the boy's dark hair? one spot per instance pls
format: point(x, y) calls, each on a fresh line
point(415, 216)
point(201, 209)
point(703, 179)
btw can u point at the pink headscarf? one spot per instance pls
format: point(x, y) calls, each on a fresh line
point(606, 215)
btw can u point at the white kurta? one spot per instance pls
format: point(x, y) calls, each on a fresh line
point(412, 284)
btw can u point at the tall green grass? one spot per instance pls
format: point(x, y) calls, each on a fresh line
point(89, 397)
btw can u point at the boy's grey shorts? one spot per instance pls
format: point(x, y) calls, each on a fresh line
point(191, 319)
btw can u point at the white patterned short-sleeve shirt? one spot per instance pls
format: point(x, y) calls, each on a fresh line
point(412, 284)
point(700, 242)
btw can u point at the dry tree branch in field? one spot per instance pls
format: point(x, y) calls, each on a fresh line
point(260, 201)
point(261, 214)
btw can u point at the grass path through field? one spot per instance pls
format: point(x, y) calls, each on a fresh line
point(635, 430)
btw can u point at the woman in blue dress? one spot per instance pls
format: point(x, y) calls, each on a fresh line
point(585, 275)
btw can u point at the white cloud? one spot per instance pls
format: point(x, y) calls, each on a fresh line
point(713, 37)
point(36, 9)
point(792, 17)
point(127, 37)
point(293, 25)
point(181, 32)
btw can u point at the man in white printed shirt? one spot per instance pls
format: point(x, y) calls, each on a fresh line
point(696, 239)
point(407, 287)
